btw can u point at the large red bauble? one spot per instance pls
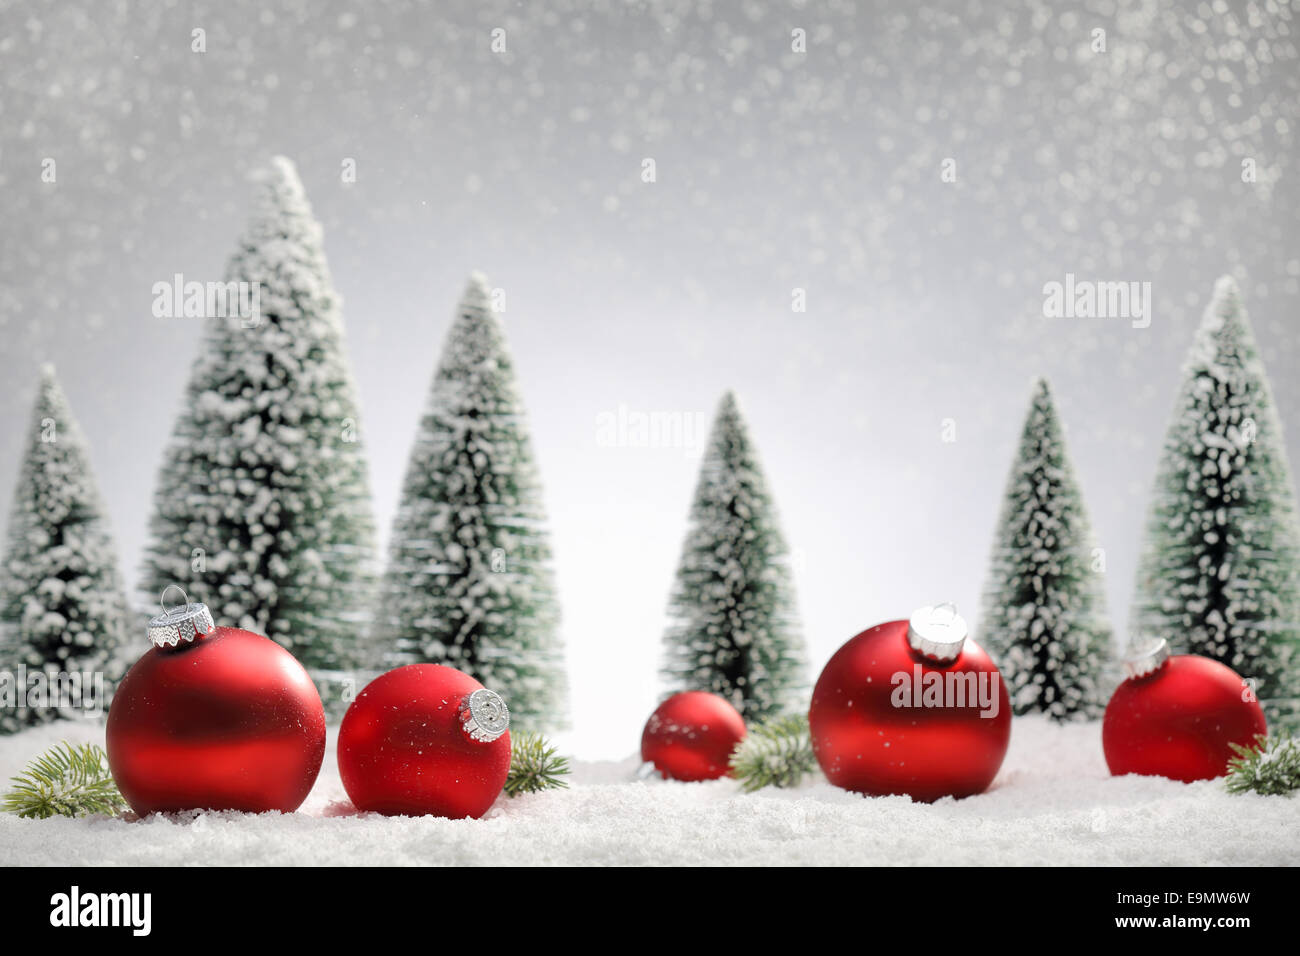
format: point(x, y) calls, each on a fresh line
point(887, 718)
point(691, 735)
point(226, 721)
point(1176, 717)
point(404, 746)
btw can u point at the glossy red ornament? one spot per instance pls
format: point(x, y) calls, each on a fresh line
point(911, 707)
point(425, 739)
point(1176, 716)
point(214, 718)
point(691, 735)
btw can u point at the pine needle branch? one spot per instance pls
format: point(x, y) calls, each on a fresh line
point(1270, 767)
point(776, 753)
point(68, 781)
point(535, 765)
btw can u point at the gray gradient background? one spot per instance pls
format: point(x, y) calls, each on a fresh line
point(775, 170)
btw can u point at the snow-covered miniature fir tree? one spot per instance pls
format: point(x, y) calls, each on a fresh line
point(469, 580)
point(263, 506)
point(733, 626)
point(1044, 613)
point(62, 607)
point(1220, 570)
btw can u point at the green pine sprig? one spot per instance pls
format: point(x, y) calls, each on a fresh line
point(535, 765)
point(776, 753)
point(67, 781)
point(1271, 766)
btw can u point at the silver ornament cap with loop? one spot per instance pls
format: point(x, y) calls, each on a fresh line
point(484, 716)
point(937, 632)
point(180, 624)
point(1146, 660)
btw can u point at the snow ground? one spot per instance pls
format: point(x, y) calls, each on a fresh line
point(1053, 803)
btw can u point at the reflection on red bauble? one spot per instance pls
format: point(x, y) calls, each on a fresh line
point(425, 739)
point(911, 707)
point(1177, 716)
point(217, 719)
point(691, 735)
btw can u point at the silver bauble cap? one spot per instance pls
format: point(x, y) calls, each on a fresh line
point(1146, 660)
point(484, 716)
point(180, 624)
point(937, 632)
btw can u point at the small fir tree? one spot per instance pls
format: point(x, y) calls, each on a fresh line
point(733, 626)
point(1220, 570)
point(62, 607)
point(469, 581)
point(263, 506)
point(1043, 615)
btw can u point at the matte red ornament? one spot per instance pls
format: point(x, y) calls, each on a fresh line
point(911, 707)
point(1177, 716)
point(691, 735)
point(425, 739)
point(214, 718)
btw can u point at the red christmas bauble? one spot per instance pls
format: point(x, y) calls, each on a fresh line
point(1176, 717)
point(691, 735)
point(911, 707)
point(214, 718)
point(425, 739)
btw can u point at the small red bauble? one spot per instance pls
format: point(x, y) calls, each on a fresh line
point(214, 718)
point(1176, 717)
point(425, 739)
point(911, 707)
point(691, 735)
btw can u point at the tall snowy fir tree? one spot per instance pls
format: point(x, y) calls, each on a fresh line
point(1220, 569)
point(733, 626)
point(62, 607)
point(1044, 612)
point(263, 506)
point(469, 581)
